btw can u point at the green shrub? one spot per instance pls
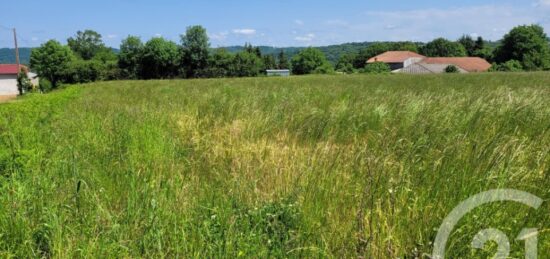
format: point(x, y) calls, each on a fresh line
point(45, 85)
point(508, 66)
point(308, 61)
point(377, 68)
point(24, 83)
point(83, 71)
point(452, 69)
point(326, 68)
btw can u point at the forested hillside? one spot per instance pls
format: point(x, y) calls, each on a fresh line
point(7, 56)
point(332, 52)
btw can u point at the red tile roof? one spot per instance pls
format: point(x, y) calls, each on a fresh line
point(10, 69)
point(394, 57)
point(470, 64)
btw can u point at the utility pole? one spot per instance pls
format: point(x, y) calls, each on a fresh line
point(16, 51)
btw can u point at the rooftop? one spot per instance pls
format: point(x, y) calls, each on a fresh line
point(395, 57)
point(10, 69)
point(470, 64)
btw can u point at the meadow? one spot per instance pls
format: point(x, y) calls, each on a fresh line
point(315, 166)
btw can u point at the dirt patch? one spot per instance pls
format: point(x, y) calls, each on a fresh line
point(5, 98)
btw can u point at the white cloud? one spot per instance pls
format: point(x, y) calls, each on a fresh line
point(543, 3)
point(306, 38)
point(299, 22)
point(112, 36)
point(158, 35)
point(489, 21)
point(219, 36)
point(246, 32)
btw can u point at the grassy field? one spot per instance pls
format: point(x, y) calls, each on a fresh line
point(320, 166)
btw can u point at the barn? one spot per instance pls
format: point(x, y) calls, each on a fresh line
point(412, 63)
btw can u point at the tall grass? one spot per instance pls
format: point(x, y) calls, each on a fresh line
point(318, 166)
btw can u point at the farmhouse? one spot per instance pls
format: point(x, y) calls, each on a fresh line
point(413, 63)
point(8, 79)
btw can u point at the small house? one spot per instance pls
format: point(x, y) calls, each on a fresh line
point(8, 80)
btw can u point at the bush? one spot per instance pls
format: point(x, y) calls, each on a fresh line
point(24, 84)
point(508, 66)
point(246, 64)
point(347, 69)
point(324, 69)
point(45, 85)
point(452, 69)
point(83, 71)
point(310, 60)
point(377, 68)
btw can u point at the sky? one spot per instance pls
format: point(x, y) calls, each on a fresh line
point(279, 23)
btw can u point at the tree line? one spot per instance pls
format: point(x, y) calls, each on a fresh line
point(85, 57)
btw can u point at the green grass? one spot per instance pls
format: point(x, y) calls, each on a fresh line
point(320, 166)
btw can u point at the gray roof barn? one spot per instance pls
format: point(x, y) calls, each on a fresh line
point(425, 68)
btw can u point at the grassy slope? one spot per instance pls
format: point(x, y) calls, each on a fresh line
point(330, 166)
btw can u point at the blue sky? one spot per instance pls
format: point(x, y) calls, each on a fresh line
point(271, 23)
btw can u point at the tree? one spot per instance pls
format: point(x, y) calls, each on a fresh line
point(219, 64)
point(326, 68)
point(246, 64)
point(443, 48)
point(451, 69)
point(377, 68)
point(86, 44)
point(345, 63)
point(527, 44)
point(475, 48)
point(50, 60)
point(130, 56)
point(307, 61)
point(160, 59)
point(282, 60)
point(479, 44)
point(469, 44)
point(24, 84)
point(195, 45)
point(509, 66)
point(254, 50)
point(367, 53)
point(482, 50)
point(269, 62)
point(83, 71)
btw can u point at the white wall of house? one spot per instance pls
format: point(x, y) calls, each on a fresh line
point(8, 85)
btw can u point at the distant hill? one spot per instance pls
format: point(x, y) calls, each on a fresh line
point(333, 52)
point(7, 56)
